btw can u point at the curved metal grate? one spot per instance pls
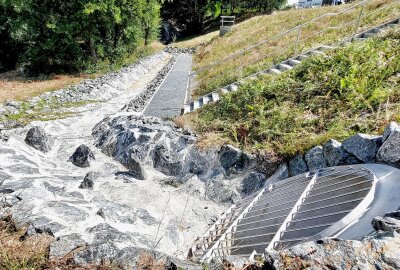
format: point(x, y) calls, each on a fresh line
point(287, 212)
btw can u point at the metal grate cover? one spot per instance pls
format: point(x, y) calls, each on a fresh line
point(288, 212)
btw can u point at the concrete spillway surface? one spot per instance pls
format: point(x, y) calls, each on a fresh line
point(170, 97)
point(331, 202)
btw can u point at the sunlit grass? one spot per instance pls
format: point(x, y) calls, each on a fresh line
point(260, 28)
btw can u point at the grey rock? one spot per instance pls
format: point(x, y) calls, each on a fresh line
point(297, 166)
point(222, 191)
point(88, 181)
point(64, 245)
point(43, 225)
point(104, 233)
point(233, 87)
point(128, 258)
point(167, 162)
point(390, 222)
point(364, 147)
point(229, 156)
point(377, 252)
point(239, 262)
point(390, 150)
point(67, 212)
point(96, 254)
point(38, 139)
point(82, 156)
point(233, 160)
point(251, 183)
point(335, 154)
point(393, 126)
point(145, 216)
point(117, 213)
point(280, 174)
point(315, 158)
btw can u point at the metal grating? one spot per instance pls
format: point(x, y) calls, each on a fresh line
point(287, 212)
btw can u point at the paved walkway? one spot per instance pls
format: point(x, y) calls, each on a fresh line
point(170, 97)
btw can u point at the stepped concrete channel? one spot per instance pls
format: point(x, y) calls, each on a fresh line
point(119, 213)
point(168, 100)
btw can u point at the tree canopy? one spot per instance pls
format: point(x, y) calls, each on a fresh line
point(68, 36)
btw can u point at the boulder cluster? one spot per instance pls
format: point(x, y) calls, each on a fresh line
point(360, 148)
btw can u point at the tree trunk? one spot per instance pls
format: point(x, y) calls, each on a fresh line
point(146, 36)
point(92, 49)
point(116, 35)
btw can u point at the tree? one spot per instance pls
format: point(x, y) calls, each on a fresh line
point(68, 36)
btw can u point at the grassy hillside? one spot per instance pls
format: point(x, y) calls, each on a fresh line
point(261, 28)
point(353, 89)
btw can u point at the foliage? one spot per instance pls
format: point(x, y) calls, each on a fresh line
point(354, 89)
point(68, 36)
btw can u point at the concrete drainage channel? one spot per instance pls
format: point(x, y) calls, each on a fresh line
point(279, 68)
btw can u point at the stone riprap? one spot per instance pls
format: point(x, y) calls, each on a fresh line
point(358, 149)
point(99, 89)
point(177, 50)
point(109, 208)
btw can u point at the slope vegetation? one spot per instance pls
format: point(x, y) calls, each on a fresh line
point(325, 30)
point(352, 89)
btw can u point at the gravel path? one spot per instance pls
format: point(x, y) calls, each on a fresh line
point(170, 97)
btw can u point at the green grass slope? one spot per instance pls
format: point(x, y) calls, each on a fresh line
point(352, 89)
point(257, 29)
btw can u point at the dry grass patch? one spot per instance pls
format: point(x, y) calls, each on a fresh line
point(15, 86)
point(21, 252)
point(148, 262)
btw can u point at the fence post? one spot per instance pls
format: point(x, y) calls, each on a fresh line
point(358, 22)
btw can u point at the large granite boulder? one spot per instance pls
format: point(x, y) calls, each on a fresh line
point(378, 252)
point(335, 154)
point(38, 139)
point(82, 156)
point(135, 168)
point(390, 222)
point(393, 126)
point(251, 183)
point(390, 150)
point(297, 166)
point(315, 158)
point(364, 147)
point(64, 245)
point(233, 160)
